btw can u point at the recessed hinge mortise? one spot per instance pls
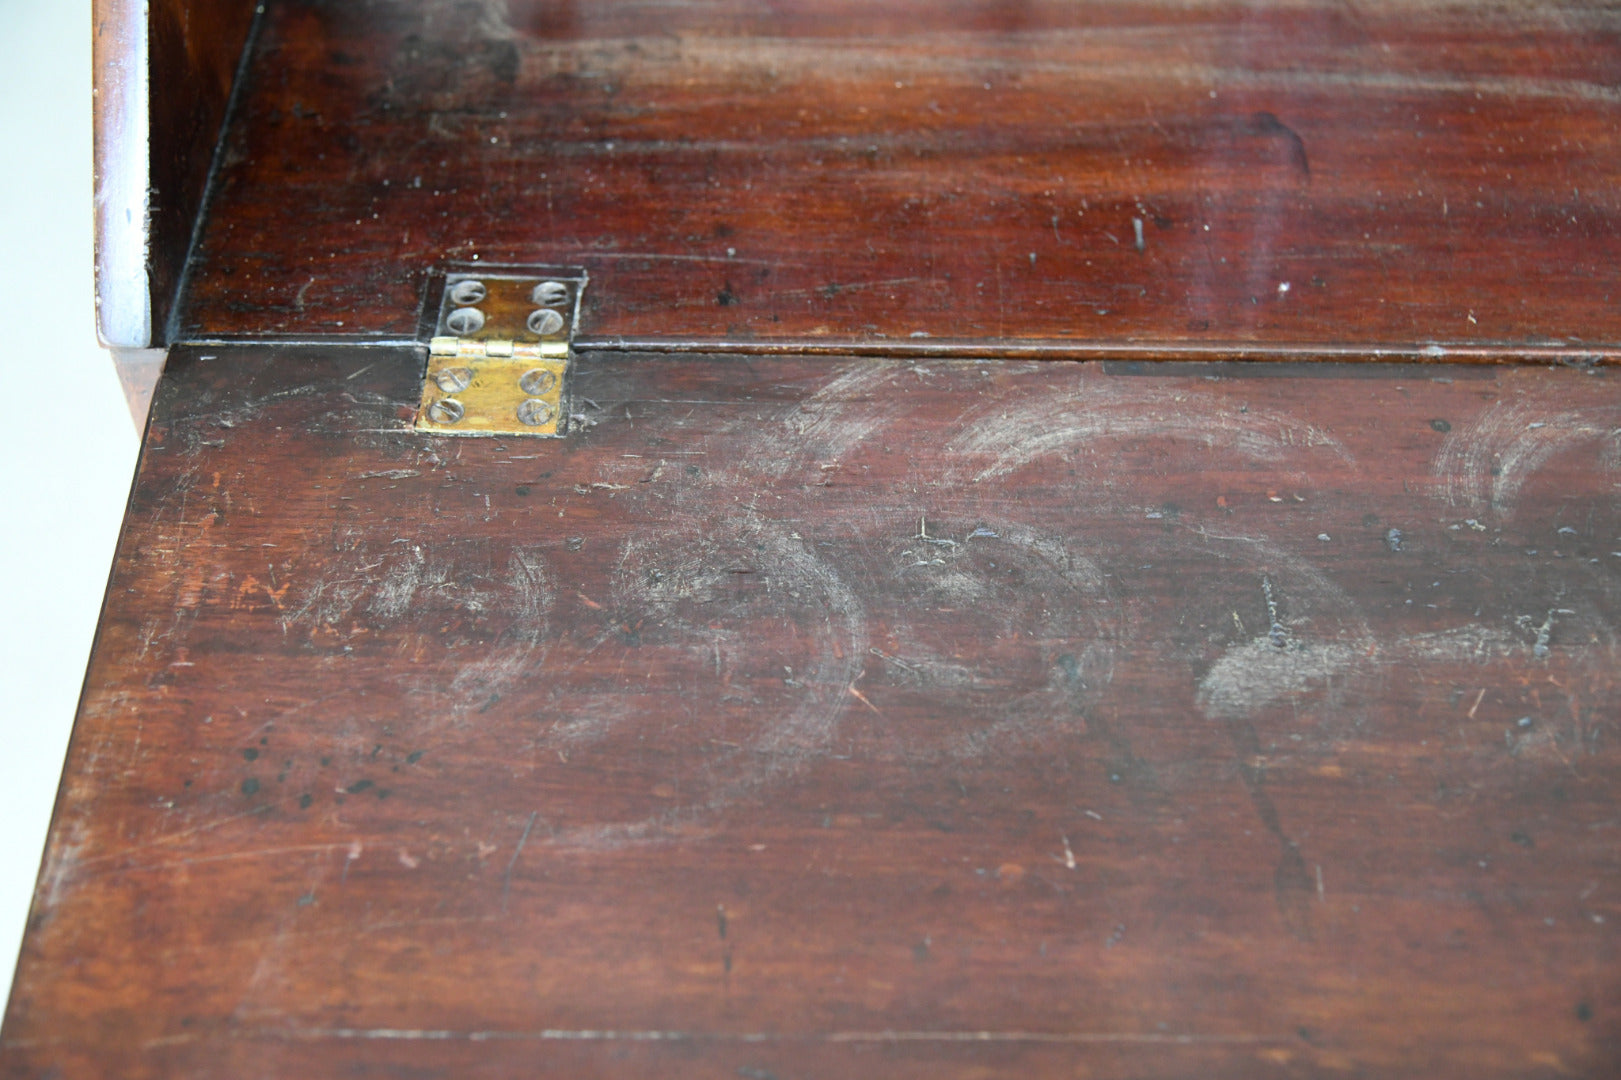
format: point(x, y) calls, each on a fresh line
point(500, 357)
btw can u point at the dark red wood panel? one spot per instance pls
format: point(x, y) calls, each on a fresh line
point(1177, 178)
point(849, 718)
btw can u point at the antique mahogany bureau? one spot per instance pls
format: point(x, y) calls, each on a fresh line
point(826, 539)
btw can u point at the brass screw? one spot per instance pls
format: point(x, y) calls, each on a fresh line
point(467, 292)
point(448, 411)
point(550, 294)
point(534, 413)
point(544, 321)
point(537, 382)
point(454, 380)
point(465, 321)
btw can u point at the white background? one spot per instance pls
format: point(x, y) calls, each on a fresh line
point(68, 441)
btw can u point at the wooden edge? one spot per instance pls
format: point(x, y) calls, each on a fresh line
point(165, 71)
point(122, 143)
point(138, 373)
point(1566, 355)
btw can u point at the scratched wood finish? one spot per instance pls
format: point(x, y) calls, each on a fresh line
point(831, 718)
point(1305, 175)
point(189, 56)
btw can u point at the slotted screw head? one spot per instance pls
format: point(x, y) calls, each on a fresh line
point(537, 382)
point(550, 294)
point(454, 380)
point(544, 321)
point(448, 411)
point(534, 413)
point(468, 292)
point(465, 321)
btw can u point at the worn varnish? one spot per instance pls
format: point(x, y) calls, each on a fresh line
point(925, 714)
point(1295, 178)
point(830, 718)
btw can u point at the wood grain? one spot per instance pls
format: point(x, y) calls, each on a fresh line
point(1401, 179)
point(830, 718)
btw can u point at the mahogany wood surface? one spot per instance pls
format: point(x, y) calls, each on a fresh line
point(1308, 176)
point(844, 718)
point(189, 56)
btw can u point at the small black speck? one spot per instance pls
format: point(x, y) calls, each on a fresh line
point(1441, 425)
point(358, 786)
point(523, 489)
point(325, 762)
point(250, 754)
point(265, 741)
point(726, 297)
point(383, 793)
point(304, 801)
point(1584, 1012)
point(250, 786)
point(413, 757)
point(1523, 839)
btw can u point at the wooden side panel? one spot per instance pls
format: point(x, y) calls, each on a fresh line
point(1170, 177)
point(849, 718)
point(164, 71)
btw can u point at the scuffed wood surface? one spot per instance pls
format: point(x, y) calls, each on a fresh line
point(849, 718)
point(1306, 175)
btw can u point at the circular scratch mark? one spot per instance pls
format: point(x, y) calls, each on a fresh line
point(996, 445)
point(467, 619)
point(728, 651)
point(1486, 461)
point(1015, 626)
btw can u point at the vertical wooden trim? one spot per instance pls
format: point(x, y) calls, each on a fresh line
point(123, 137)
point(165, 71)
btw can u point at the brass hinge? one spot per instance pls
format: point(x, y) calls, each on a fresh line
point(500, 357)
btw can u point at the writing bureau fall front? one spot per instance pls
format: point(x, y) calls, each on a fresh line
point(999, 539)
